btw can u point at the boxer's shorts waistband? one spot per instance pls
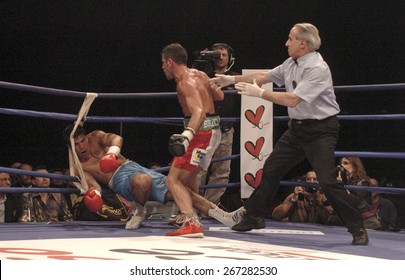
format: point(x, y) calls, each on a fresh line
point(210, 122)
point(111, 180)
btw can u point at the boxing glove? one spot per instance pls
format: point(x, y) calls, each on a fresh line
point(109, 163)
point(93, 200)
point(178, 143)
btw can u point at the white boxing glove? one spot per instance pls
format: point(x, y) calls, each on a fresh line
point(222, 80)
point(249, 89)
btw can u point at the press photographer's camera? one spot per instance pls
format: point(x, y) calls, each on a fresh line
point(204, 60)
point(343, 173)
point(301, 196)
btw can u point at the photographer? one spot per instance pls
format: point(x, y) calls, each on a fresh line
point(296, 208)
point(305, 204)
point(219, 60)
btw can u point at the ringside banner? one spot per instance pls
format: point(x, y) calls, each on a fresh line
point(256, 140)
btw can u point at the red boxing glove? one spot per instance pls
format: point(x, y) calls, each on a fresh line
point(93, 200)
point(109, 163)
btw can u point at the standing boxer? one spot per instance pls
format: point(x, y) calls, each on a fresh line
point(194, 147)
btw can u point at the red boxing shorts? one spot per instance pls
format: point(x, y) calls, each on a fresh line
point(200, 150)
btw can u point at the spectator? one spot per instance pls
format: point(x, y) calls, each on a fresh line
point(10, 204)
point(23, 181)
point(297, 207)
point(59, 183)
point(386, 210)
point(14, 179)
point(46, 207)
point(354, 173)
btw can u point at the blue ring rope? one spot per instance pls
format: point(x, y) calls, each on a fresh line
point(70, 117)
point(39, 190)
point(62, 92)
point(38, 174)
point(400, 191)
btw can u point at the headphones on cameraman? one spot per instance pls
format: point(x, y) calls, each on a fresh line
point(231, 59)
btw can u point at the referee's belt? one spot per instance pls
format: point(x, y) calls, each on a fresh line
point(309, 121)
point(210, 122)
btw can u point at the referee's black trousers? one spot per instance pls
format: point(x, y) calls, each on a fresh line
point(316, 141)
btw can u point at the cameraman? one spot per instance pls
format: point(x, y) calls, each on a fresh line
point(296, 208)
point(219, 172)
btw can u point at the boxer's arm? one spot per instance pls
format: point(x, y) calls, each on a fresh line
point(92, 182)
point(114, 142)
point(108, 139)
point(92, 198)
point(193, 107)
point(193, 103)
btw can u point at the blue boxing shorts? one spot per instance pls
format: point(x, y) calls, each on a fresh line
point(120, 183)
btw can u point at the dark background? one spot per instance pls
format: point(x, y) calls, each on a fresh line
point(114, 46)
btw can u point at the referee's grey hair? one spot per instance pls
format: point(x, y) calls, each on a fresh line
point(310, 34)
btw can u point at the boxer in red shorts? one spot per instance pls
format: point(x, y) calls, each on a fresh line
point(193, 148)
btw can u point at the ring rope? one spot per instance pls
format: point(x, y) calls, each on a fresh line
point(398, 155)
point(38, 174)
point(165, 120)
point(40, 190)
point(53, 91)
point(377, 189)
point(399, 190)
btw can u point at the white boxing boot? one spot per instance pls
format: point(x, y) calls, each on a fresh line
point(228, 219)
point(138, 215)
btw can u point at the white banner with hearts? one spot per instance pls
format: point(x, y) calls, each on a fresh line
point(256, 138)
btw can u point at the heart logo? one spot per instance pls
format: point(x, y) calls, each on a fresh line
point(252, 180)
point(255, 149)
point(255, 118)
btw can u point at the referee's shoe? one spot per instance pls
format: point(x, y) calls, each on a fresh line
point(249, 222)
point(360, 237)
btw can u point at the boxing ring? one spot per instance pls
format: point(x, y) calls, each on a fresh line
point(110, 241)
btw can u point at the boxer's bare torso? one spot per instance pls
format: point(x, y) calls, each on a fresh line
point(90, 149)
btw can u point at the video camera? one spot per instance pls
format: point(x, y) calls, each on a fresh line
point(204, 60)
point(209, 55)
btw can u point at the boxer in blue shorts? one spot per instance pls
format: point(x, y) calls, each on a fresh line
point(103, 164)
